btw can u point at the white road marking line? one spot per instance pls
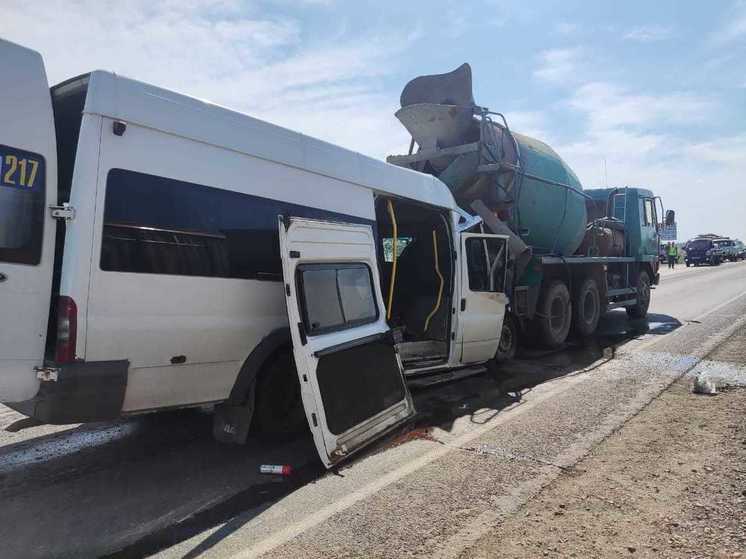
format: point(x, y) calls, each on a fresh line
point(289, 532)
point(283, 536)
point(656, 339)
point(720, 306)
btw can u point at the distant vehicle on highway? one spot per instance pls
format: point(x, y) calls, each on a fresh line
point(728, 247)
point(741, 250)
point(703, 251)
point(662, 256)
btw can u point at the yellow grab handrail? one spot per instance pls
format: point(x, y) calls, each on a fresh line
point(393, 265)
point(440, 277)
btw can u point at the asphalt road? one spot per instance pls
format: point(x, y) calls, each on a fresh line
point(477, 451)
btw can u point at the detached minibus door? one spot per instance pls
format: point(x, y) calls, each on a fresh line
point(349, 371)
point(28, 186)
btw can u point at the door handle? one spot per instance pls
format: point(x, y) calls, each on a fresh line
point(3, 277)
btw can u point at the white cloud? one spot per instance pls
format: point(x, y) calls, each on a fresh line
point(649, 33)
point(230, 53)
point(735, 27)
point(644, 139)
point(530, 123)
point(607, 106)
point(558, 65)
point(730, 150)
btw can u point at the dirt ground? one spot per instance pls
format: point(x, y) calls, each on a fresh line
point(670, 483)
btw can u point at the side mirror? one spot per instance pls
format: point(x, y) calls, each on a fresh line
point(670, 218)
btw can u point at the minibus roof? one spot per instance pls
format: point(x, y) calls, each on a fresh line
point(121, 98)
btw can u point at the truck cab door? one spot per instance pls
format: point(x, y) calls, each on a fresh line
point(649, 233)
point(350, 374)
point(28, 185)
point(484, 261)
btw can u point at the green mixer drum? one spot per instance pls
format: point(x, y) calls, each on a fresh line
point(549, 217)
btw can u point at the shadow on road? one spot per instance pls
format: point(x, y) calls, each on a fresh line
point(482, 398)
point(132, 487)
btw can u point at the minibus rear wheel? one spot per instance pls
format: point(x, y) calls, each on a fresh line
point(279, 410)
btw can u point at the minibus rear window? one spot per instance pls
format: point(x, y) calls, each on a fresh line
point(22, 178)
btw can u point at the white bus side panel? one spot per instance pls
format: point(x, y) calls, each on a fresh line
point(77, 254)
point(28, 184)
point(214, 323)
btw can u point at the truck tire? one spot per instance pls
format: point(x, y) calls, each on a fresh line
point(554, 315)
point(586, 308)
point(508, 339)
point(640, 309)
point(279, 410)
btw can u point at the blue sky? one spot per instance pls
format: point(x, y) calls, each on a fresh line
point(656, 89)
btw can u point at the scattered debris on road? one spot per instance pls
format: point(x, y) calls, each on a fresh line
point(703, 384)
point(276, 469)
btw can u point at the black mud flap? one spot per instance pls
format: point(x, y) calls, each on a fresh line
point(231, 423)
point(83, 392)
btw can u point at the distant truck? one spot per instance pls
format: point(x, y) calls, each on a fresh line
point(703, 251)
point(729, 248)
point(741, 250)
point(574, 253)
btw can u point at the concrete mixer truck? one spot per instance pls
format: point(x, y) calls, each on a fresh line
point(574, 253)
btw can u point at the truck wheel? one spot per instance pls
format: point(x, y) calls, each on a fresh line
point(586, 308)
point(555, 315)
point(279, 409)
point(640, 309)
point(508, 339)
point(687, 264)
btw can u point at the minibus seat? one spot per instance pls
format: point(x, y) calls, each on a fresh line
point(416, 289)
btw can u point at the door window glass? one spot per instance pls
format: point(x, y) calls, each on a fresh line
point(619, 206)
point(388, 247)
point(323, 308)
point(335, 297)
point(356, 294)
point(486, 260)
point(22, 185)
point(649, 212)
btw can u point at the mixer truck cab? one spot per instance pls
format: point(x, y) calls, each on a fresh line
point(157, 251)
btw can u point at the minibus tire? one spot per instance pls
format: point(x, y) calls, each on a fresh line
point(279, 412)
point(508, 344)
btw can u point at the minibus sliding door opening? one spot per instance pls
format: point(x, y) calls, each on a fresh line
point(416, 277)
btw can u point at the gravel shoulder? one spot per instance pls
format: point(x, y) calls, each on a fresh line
point(671, 482)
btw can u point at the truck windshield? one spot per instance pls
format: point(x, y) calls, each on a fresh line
point(699, 245)
point(21, 206)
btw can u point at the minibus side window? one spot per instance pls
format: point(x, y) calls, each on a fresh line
point(158, 225)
